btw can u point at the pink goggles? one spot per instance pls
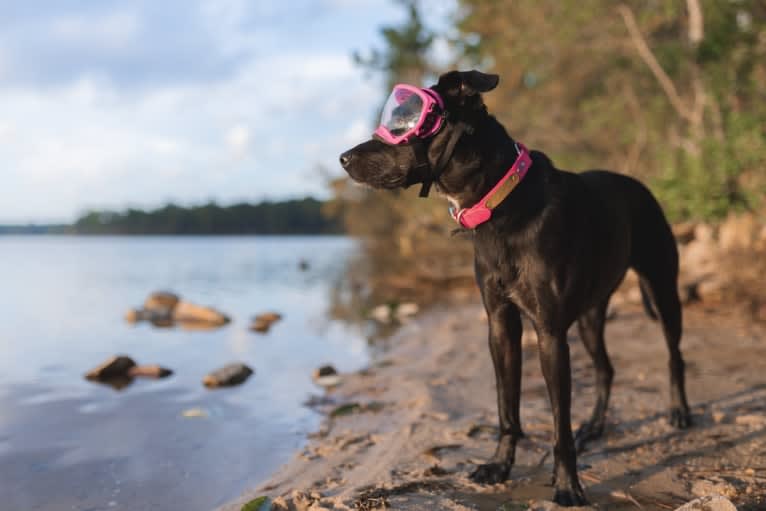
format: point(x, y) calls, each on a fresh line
point(410, 112)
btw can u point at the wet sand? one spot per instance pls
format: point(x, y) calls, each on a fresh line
point(427, 417)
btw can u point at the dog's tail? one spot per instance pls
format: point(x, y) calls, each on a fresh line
point(647, 301)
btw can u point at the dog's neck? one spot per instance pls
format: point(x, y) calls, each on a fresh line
point(478, 169)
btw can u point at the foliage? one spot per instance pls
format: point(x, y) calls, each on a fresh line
point(408, 253)
point(641, 87)
point(258, 504)
point(300, 216)
point(576, 84)
point(405, 55)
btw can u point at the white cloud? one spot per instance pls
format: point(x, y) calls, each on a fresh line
point(4, 63)
point(251, 98)
point(357, 132)
point(238, 140)
point(7, 131)
point(114, 29)
point(97, 145)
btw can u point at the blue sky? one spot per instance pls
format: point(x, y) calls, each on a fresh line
point(106, 104)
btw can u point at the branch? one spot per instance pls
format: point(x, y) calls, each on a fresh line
point(696, 23)
point(648, 57)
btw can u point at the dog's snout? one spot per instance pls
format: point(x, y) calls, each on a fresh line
point(345, 159)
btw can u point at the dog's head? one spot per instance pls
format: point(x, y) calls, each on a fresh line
point(383, 165)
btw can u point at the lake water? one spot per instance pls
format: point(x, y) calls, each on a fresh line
point(66, 443)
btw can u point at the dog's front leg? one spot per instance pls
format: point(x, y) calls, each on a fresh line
point(554, 359)
point(505, 347)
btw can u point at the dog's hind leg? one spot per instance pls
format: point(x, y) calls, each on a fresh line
point(505, 346)
point(664, 294)
point(654, 257)
point(591, 327)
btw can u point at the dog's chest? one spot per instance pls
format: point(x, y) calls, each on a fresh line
point(518, 273)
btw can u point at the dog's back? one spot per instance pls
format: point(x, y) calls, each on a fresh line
point(631, 206)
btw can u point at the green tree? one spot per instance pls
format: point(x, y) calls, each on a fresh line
point(669, 91)
point(408, 251)
point(405, 55)
point(299, 216)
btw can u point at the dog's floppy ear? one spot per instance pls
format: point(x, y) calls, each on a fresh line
point(467, 83)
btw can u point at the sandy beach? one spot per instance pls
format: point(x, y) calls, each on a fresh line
point(418, 420)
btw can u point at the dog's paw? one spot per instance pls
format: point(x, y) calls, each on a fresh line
point(491, 473)
point(587, 432)
point(573, 496)
point(680, 418)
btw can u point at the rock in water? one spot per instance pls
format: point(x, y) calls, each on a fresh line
point(114, 367)
point(133, 316)
point(119, 372)
point(164, 309)
point(326, 376)
point(185, 311)
point(150, 371)
point(155, 316)
point(712, 503)
point(260, 326)
point(271, 317)
point(161, 300)
point(262, 322)
point(325, 370)
point(230, 374)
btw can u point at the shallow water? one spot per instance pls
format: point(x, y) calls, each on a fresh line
point(66, 443)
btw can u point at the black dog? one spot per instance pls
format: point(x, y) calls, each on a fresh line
point(555, 249)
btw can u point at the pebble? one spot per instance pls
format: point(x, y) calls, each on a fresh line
point(328, 381)
point(711, 503)
point(195, 413)
point(752, 420)
point(713, 486)
point(547, 505)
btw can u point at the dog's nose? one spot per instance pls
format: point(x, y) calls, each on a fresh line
point(345, 159)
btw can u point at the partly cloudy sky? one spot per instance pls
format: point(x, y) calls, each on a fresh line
point(112, 103)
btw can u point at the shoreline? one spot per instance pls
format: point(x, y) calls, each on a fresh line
point(418, 420)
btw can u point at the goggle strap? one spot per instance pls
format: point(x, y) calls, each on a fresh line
point(422, 167)
point(425, 188)
point(445, 157)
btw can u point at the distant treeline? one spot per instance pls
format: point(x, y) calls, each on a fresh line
point(299, 216)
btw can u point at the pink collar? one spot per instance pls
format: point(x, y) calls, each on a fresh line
point(480, 212)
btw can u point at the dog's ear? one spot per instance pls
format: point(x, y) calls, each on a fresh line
point(467, 83)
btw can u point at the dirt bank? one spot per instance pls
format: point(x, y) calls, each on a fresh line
point(426, 416)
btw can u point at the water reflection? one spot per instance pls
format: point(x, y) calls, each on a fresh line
point(66, 443)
